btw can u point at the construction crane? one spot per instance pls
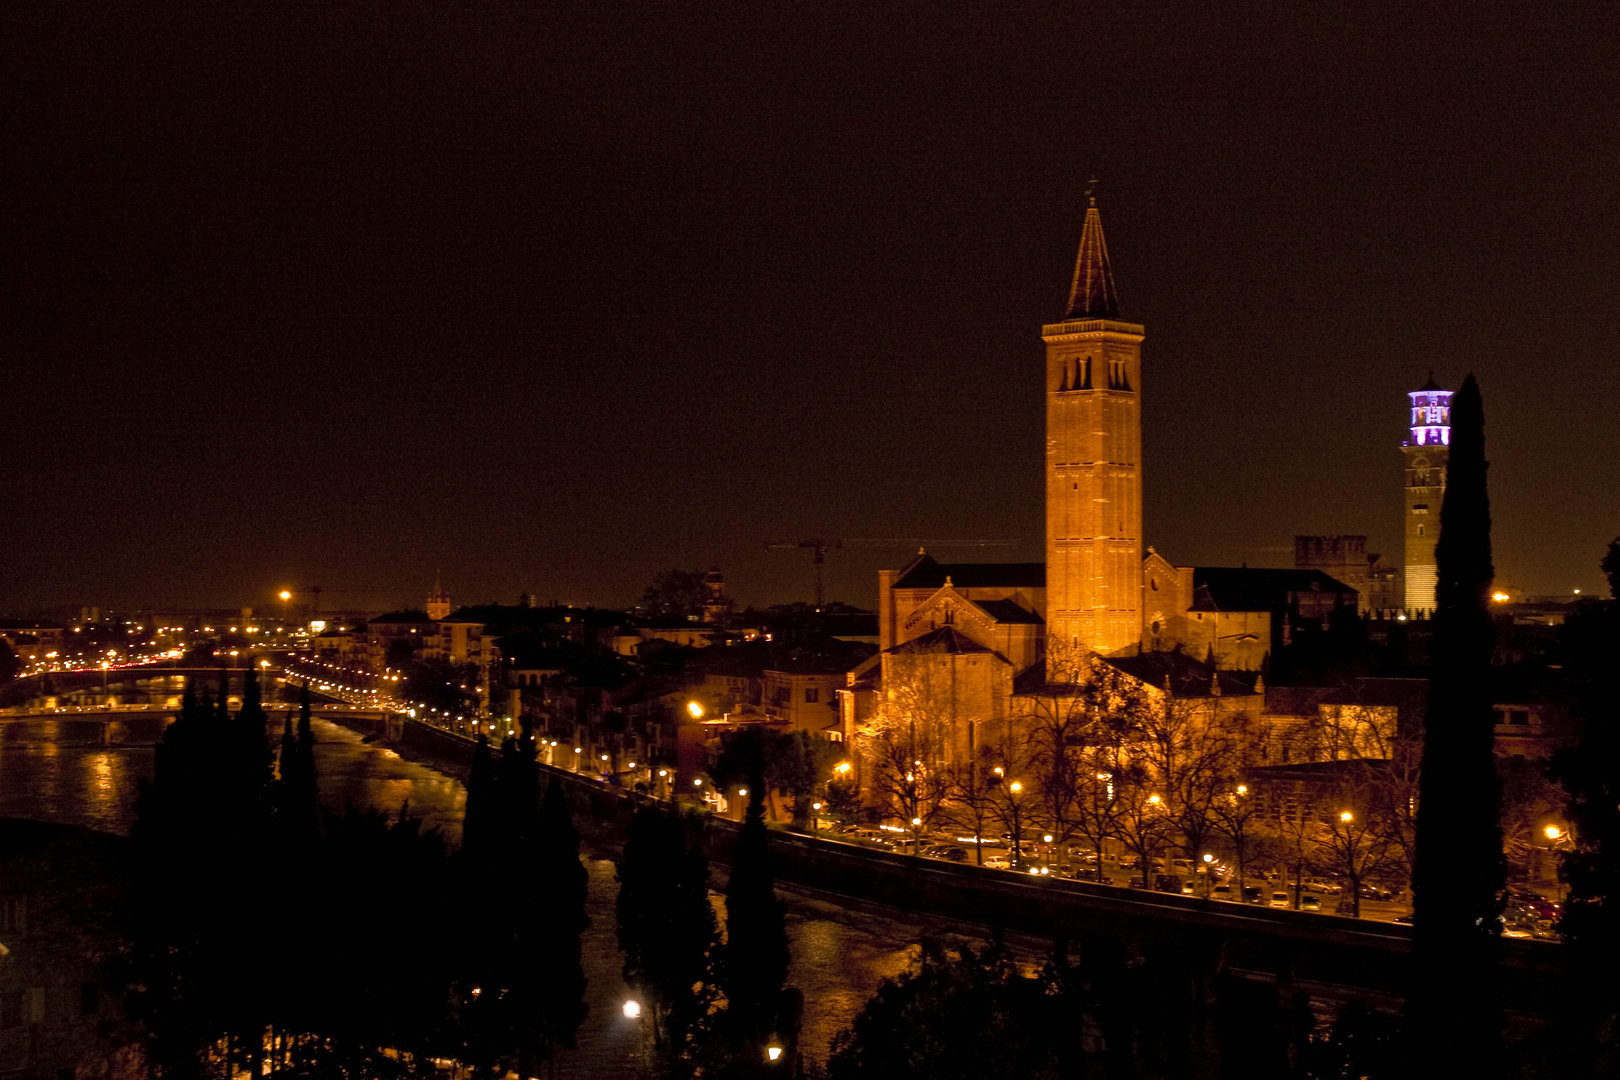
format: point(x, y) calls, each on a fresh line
point(819, 549)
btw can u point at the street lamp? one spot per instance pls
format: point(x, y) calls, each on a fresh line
point(815, 808)
point(1015, 803)
point(1209, 872)
point(694, 709)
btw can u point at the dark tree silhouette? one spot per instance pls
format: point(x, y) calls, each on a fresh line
point(674, 594)
point(969, 1015)
point(297, 798)
point(1454, 1012)
point(559, 995)
point(666, 929)
point(237, 961)
point(755, 960)
point(481, 818)
point(1590, 772)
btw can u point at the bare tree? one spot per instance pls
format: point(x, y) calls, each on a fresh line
point(1356, 838)
point(1237, 813)
point(1077, 724)
point(906, 746)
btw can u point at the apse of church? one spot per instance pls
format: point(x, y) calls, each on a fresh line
point(1094, 461)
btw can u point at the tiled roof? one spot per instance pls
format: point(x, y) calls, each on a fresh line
point(947, 639)
point(402, 617)
point(1188, 677)
point(1227, 588)
point(1007, 611)
point(925, 573)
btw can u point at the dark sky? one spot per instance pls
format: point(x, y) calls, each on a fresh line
point(553, 297)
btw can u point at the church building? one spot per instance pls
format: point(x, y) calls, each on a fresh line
point(976, 644)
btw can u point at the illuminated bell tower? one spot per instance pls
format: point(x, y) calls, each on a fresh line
point(1093, 461)
point(1426, 450)
point(438, 601)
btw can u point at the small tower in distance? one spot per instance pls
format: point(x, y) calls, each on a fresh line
point(715, 604)
point(438, 601)
point(1426, 449)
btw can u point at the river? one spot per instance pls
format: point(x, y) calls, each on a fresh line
point(56, 771)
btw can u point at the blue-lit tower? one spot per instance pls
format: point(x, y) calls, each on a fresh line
point(1426, 449)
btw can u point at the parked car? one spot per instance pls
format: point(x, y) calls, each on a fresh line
point(1369, 891)
point(955, 854)
point(997, 862)
point(1221, 892)
point(1169, 883)
point(1310, 902)
point(1281, 899)
point(1252, 894)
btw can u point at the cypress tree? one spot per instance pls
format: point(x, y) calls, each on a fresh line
point(480, 819)
point(1454, 1012)
point(666, 927)
point(756, 953)
point(298, 801)
point(551, 946)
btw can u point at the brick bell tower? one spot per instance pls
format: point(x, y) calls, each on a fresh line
point(1426, 449)
point(1093, 461)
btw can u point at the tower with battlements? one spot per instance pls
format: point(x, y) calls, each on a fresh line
point(1093, 461)
point(438, 601)
point(1426, 448)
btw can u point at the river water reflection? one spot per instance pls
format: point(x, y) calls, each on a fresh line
point(57, 771)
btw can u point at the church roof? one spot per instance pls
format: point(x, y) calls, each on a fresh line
point(1092, 296)
point(946, 639)
point(1227, 588)
point(1007, 611)
point(1188, 677)
point(925, 573)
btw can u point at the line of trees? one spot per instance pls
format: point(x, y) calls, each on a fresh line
point(278, 937)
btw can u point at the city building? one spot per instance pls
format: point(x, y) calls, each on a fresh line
point(1426, 449)
point(1346, 559)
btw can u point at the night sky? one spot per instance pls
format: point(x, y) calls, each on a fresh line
point(554, 297)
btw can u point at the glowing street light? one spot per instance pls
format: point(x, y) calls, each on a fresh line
point(695, 710)
point(1346, 816)
point(632, 1010)
point(773, 1052)
point(1553, 832)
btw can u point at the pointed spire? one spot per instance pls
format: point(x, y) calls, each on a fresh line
point(1092, 296)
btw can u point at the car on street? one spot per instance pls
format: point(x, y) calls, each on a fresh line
point(1310, 902)
point(1252, 894)
point(1280, 900)
point(997, 862)
point(1221, 892)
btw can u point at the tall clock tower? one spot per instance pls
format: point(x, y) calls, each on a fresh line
point(1093, 461)
point(1426, 449)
